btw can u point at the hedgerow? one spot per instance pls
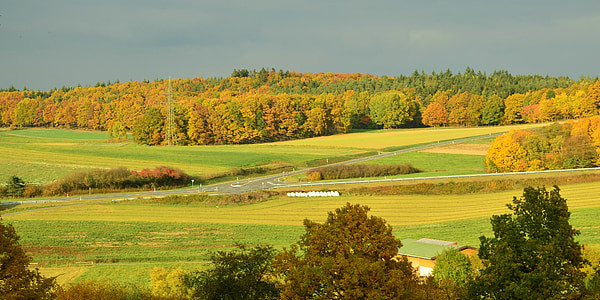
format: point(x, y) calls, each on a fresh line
point(357, 171)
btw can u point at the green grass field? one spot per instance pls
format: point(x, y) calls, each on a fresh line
point(124, 240)
point(41, 155)
point(133, 235)
point(434, 162)
point(47, 154)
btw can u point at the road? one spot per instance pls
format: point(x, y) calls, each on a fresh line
point(268, 182)
point(272, 181)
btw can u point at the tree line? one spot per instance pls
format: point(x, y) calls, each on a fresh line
point(533, 254)
point(568, 145)
point(263, 106)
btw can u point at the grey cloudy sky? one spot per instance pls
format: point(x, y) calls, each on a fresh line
point(48, 44)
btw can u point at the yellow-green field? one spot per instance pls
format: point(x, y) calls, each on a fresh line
point(42, 155)
point(382, 139)
point(397, 210)
point(123, 238)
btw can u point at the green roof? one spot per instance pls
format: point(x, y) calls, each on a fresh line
point(424, 248)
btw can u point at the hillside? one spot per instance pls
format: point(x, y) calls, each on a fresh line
point(256, 107)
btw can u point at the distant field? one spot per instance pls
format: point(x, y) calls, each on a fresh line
point(382, 139)
point(41, 155)
point(396, 209)
point(433, 162)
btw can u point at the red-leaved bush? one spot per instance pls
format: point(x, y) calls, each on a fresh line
point(117, 179)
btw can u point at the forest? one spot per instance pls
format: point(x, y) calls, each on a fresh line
point(268, 105)
point(568, 145)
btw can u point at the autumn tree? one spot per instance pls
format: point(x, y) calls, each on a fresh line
point(590, 104)
point(440, 97)
point(316, 121)
point(117, 130)
point(575, 151)
point(349, 256)
point(465, 109)
point(492, 111)
point(533, 253)
point(354, 108)
point(506, 154)
point(474, 109)
point(25, 114)
point(548, 110)
point(513, 105)
point(393, 109)
point(198, 127)
point(17, 280)
point(435, 115)
point(149, 130)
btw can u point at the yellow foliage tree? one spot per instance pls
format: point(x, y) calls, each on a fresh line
point(506, 154)
point(513, 105)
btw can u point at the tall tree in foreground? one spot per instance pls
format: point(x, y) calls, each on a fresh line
point(452, 272)
point(17, 281)
point(242, 274)
point(533, 254)
point(350, 256)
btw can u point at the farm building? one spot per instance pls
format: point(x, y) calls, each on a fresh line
point(422, 253)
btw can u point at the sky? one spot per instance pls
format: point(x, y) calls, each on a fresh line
point(50, 44)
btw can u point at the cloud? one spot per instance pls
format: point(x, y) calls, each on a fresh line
point(76, 41)
point(428, 38)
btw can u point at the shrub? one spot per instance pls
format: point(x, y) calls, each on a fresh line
point(356, 171)
point(169, 284)
point(468, 187)
point(201, 199)
point(32, 191)
point(103, 290)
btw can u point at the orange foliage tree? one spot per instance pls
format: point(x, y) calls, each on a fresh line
point(435, 115)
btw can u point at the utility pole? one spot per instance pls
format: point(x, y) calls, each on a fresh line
point(170, 135)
